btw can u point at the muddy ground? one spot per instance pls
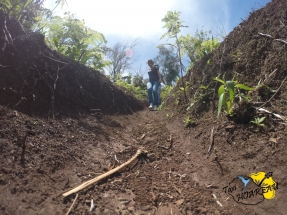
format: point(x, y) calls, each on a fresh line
point(62, 124)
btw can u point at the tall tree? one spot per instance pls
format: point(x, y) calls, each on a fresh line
point(167, 60)
point(173, 26)
point(121, 56)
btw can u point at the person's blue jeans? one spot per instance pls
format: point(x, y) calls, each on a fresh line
point(159, 91)
point(152, 88)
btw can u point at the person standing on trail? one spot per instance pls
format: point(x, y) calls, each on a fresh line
point(155, 79)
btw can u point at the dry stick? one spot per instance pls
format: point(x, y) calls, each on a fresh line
point(217, 161)
point(4, 66)
point(170, 140)
point(51, 89)
point(94, 180)
point(280, 40)
point(274, 93)
point(55, 60)
point(211, 142)
point(22, 98)
point(269, 36)
point(270, 75)
point(72, 205)
point(265, 35)
point(56, 78)
point(218, 202)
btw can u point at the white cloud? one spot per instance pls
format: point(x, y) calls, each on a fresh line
point(142, 18)
point(123, 17)
point(207, 14)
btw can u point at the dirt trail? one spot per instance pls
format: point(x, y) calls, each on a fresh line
point(174, 177)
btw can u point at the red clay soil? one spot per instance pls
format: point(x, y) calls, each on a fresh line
point(97, 127)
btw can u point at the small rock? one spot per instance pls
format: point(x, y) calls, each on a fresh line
point(145, 208)
point(107, 211)
point(179, 202)
point(131, 208)
point(203, 210)
point(229, 127)
point(216, 212)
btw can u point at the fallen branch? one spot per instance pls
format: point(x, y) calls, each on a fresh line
point(274, 93)
point(72, 205)
point(274, 114)
point(105, 175)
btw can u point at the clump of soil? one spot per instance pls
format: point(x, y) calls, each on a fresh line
point(97, 127)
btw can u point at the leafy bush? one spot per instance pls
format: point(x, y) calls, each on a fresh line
point(165, 92)
point(139, 92)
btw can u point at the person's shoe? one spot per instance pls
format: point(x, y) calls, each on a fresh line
point(155, 107)
point(150, 106)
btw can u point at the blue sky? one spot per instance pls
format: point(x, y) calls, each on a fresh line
point(119, 20)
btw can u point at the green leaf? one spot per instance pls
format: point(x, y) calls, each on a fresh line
point(266, 86)
point(261, 119)
point(221, 90)
point(221, 101)
point(243, 87)
point(228, 104)
point(219, 80)
point(230, 86)
point(203, 87)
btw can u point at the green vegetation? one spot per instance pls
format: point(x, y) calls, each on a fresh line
point(197, 46)
point(27, 12)
point(72, 38)
point(187, 121)
point(228, 88)
point(139, 91)
point(258, 121)
point(203, 94)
